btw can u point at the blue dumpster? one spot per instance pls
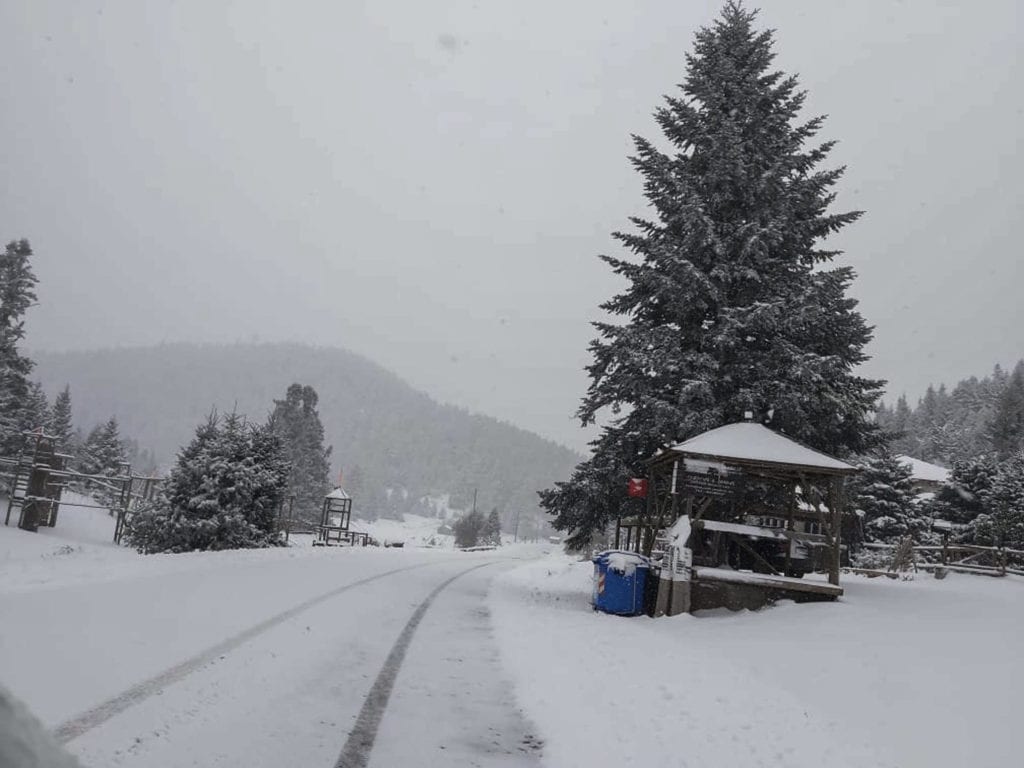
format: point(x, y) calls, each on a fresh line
point(619, 579)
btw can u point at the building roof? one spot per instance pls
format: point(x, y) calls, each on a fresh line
point(338, 493)
point(922, 470)
point(748, 442)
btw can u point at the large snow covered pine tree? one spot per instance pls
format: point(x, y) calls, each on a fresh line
point(730, 304)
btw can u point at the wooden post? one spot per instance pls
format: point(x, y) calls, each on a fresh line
point(789, 527)
point(618, 530)
point(119, 520)
point(835, 506)
point(13, 490)
point(651, 490)
point(660, 508)
point(37, 480)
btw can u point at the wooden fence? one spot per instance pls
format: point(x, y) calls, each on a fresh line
point(960, 558)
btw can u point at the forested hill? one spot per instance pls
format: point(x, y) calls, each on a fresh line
point(976, 417)
point(386, 435)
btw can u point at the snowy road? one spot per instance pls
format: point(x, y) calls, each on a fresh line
point(351, 658)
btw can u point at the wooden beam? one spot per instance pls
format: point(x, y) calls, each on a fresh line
point(703, 507)
point(757, 556)
point(704, 573)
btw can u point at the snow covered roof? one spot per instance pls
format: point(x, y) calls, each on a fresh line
point(922, 470)
point(338, 493)
point(750, 442)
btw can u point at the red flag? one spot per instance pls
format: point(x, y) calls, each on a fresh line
point(638, 487)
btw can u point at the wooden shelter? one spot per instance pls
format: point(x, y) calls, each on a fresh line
point(759, 511)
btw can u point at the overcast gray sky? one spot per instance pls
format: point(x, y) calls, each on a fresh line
point(429, 183)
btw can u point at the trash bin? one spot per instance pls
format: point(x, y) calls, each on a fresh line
point(619, 579)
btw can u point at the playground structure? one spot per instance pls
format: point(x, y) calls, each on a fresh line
point(40, 475)
point(335, 517)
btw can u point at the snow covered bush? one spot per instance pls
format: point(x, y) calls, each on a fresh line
point(469, 528)
point(224, 492)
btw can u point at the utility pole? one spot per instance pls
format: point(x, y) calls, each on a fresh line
point(515, 529)
point(474, 501)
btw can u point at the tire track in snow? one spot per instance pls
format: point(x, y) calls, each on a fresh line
point(359, 745)
point(86, 721)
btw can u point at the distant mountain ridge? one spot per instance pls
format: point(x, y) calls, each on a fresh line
point(394, 443)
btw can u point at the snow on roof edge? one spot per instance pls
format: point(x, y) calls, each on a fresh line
point(748, 441)
point(923, 470)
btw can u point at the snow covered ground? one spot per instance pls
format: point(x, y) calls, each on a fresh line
point(920, 673)
point(412, 530)
point(255, 658)
point(268, 658)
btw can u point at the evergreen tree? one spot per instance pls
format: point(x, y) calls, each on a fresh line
point(1008, 421)
point(35, 410)
point(899, 428)
point(730, 306)
point(76, 447)
point(492, 529)
point(61, 425)
point(296, 421)
point(963, 498)
point(1001, 523)
point(949, 428)
point(89, 460)
point(17, 294)
point(104, 452)
point(469, 528)
point(224, 492)
point(883, 493)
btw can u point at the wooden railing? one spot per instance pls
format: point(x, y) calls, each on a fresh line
point(961, 558)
